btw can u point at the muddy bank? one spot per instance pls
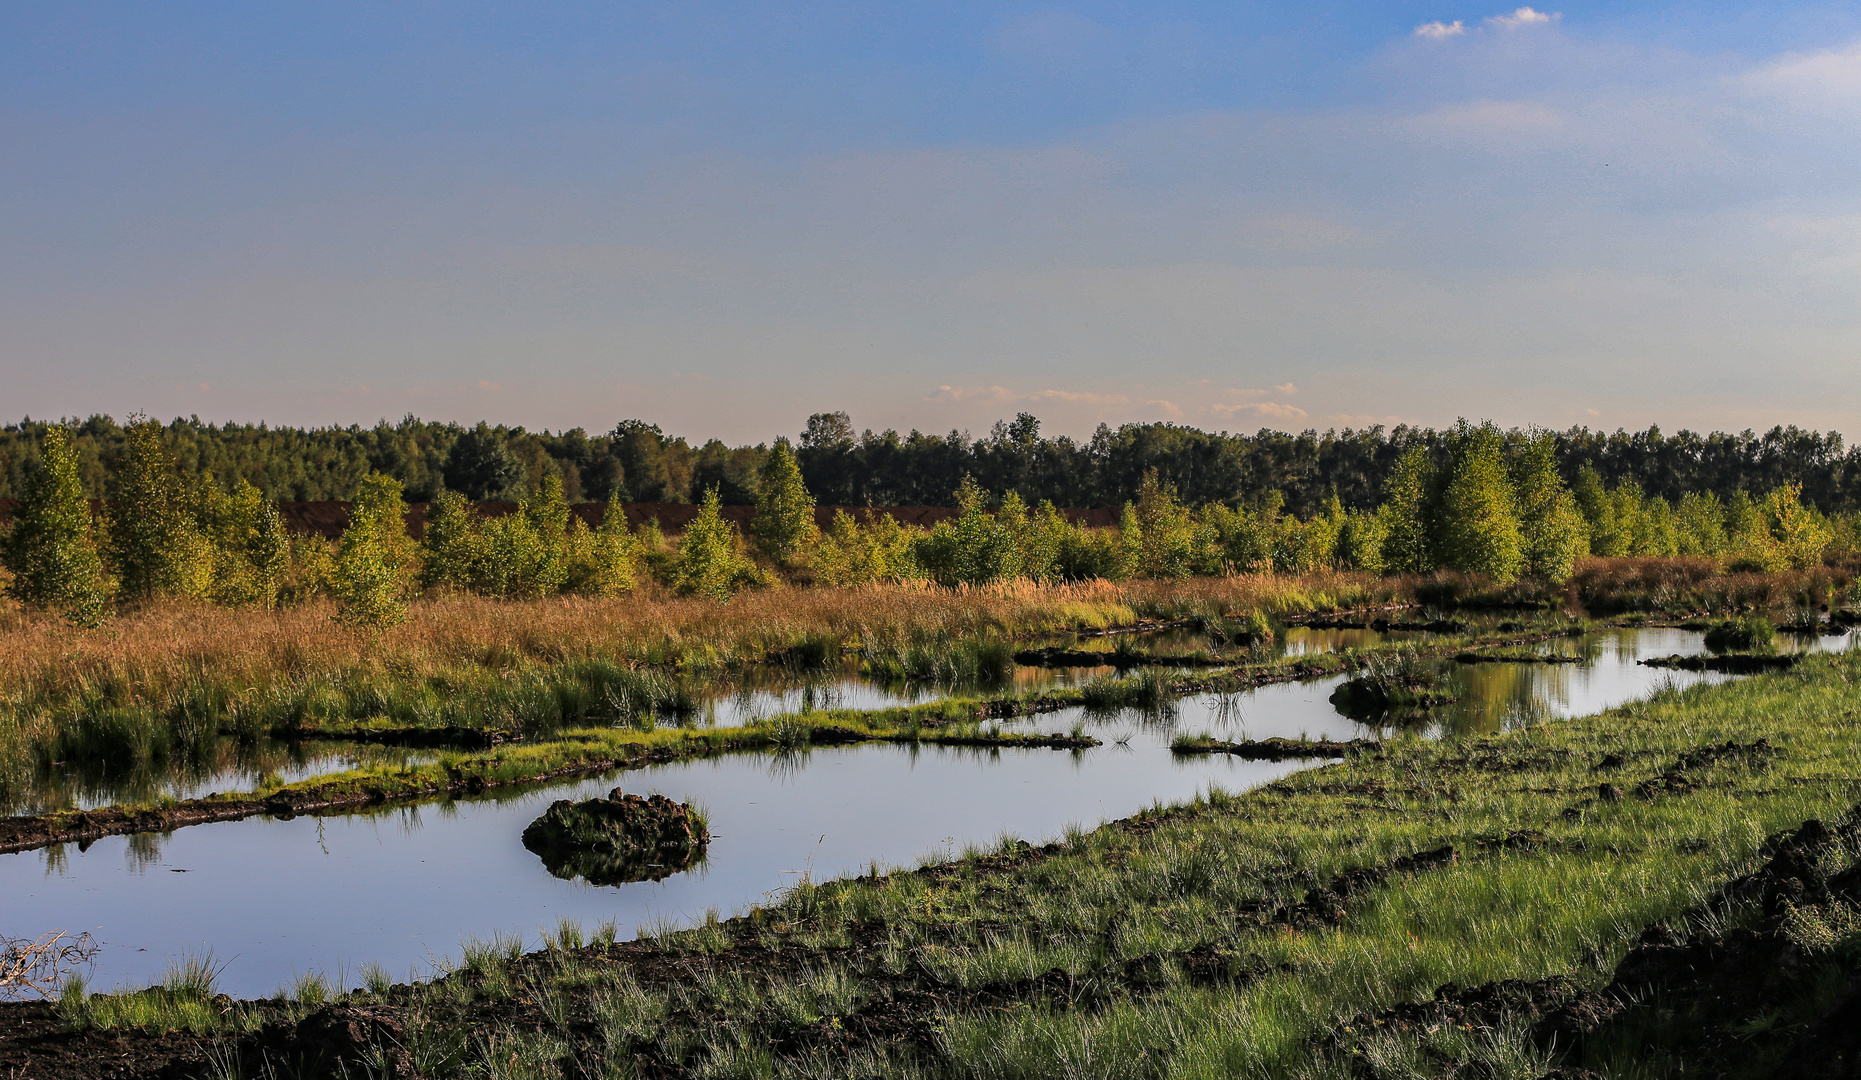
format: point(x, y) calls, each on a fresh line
point(1065, 658)
point(1277, 749)
point(1727, 663)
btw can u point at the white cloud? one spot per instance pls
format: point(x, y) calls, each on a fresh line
point(1286, 388)
point(1821, 81)
point(1438, 30)
point(1523, 17)
point(1270, 410)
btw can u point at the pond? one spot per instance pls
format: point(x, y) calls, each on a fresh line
point(403, 887)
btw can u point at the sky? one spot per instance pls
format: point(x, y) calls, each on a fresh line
point(723, 217)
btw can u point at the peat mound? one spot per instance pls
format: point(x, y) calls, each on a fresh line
point(618, 839)
point(1371, 696)
point(1774, 992)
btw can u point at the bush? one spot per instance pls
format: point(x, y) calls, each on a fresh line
point(848, 553)
point(973, 549)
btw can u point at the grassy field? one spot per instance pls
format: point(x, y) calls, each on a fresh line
point(1306, 929)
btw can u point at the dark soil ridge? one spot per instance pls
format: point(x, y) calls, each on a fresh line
point(1728, 663)
point(1516, 658)
point(1433, 626)
point(450, 737)
point(1279, 749)
point(83, 827)
point(35, 1045)
point(1055, 657)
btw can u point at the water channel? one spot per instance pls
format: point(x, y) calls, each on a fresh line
point(404, 886)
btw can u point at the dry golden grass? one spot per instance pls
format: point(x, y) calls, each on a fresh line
point(167, 644)
point(1692, 582)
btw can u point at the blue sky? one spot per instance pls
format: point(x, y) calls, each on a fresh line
point(724, 217)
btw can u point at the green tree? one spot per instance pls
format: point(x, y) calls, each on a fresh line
point(602, 563)
point(546, 515)
point(1404, 513)
point(1167, 531)
point(50, 550)
point(1360, 542)
point(1749, 543)
point(370, 557)
point(710, 560)
point(1607, 538)
point(1550, 523)
point(972, 549)
point(452, 549)
point(1799, 530)
point(1699, 525)
point(253, 553)
point(784, 521)
point(480, 464)
point(155, 546)
point(1477, 525)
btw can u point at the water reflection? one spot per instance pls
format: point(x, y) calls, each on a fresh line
point(222, 764)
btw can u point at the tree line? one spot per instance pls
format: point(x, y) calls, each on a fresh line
point(1486, 503)
point(638, 462)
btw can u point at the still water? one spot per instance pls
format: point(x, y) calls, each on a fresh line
point(405, 886)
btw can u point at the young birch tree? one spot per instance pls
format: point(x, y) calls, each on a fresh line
point(50, 549)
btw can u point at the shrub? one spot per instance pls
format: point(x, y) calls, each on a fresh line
point(452, 550)
point(848, 553)
point(1165, 546)
point(253, 553)
point(973, 549)
point(1801, 533)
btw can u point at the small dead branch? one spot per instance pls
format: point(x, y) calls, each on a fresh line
point(34, 967)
